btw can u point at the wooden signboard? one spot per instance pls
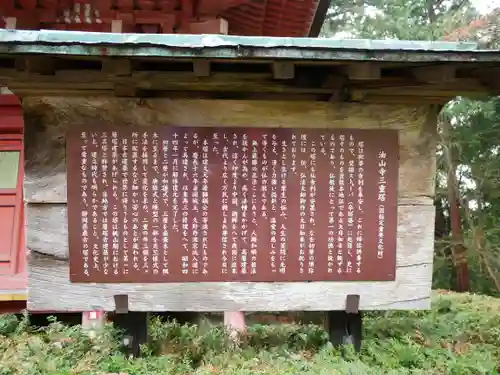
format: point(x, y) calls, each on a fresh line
point(177, 204)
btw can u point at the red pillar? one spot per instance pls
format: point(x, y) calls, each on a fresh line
point(13, 273)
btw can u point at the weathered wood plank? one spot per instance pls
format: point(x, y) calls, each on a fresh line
point(47, 229)
point(45, 187)
point(50, 288)
point(363, 71)
point(48, 118)
point(361, 75)
point(411, 97)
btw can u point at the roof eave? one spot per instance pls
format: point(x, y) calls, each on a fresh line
point(319, 18)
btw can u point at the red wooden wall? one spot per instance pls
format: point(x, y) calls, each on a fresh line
point(12, 242)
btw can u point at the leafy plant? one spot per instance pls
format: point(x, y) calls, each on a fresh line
point(460, 335)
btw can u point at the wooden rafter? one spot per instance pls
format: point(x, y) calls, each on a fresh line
point(346, 81)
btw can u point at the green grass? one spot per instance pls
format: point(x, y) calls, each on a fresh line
point(460, 335)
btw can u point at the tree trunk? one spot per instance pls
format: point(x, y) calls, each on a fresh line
point(459, 252)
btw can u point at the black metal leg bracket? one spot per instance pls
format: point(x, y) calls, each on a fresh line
point(345, 327)
point(133, 324)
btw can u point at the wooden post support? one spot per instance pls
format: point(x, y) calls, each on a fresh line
point(435, 73)
point(234, 323)
point(210, 26)
point(134, 325)
point(116, 26)
point(10, 23)
point(345, 327)
point(93, 321)
point(283, 70)
point(352, 304)
point(201, 68)
point(363, 71)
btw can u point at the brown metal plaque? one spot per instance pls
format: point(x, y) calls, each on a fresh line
point(181, 204)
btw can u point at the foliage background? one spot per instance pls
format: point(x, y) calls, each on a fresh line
point(459, 336)
point(469, 129)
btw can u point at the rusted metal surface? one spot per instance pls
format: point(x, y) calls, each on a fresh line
point(181, 204)
point(16, 42)
point(206, 41)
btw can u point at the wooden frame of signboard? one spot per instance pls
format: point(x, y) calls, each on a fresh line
point(233, 82)
point(47, 213)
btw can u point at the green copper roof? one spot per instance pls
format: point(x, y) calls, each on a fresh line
point(235, 47)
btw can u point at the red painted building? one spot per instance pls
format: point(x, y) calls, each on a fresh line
point(13, 275)
point(293, 18)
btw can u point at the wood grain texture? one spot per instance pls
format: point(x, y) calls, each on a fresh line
point(363, 81)
point(48, 119)
point(50, 289)
point(46, 122)
point(47, 227)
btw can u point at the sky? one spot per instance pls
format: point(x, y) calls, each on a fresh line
point(484, 6)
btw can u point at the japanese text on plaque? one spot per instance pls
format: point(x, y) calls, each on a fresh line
point(173, 204)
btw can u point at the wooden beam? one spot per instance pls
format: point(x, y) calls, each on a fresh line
point(201, 68)
point(162, 83)
point(126, 90)
point(435, 73)
point(398, 100)
point(10, 23)
point(63, 93)
point(156, 81)
point(488, 78)
point(335, 97)
point(339, 86)
point(44, 65)
point(465, 87)
point(341, 94)
point(117, 67)
point(362, 71)
point(212, 26)
point(283, 70)
point(334, 81)
point(117, 26)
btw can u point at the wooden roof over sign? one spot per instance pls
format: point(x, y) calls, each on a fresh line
point(208, 66)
